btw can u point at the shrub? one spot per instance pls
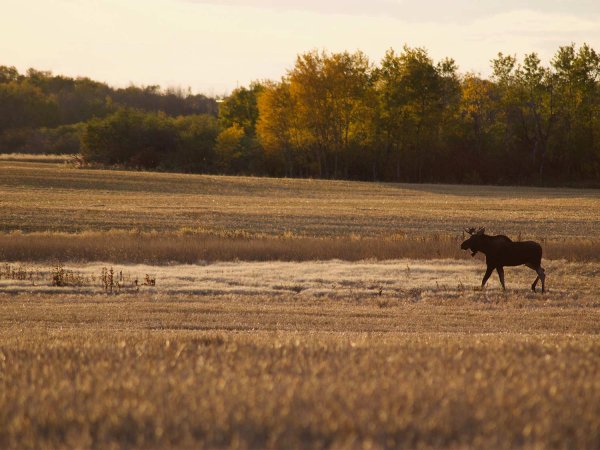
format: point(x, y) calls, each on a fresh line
point(131, 138)
point(134, 138)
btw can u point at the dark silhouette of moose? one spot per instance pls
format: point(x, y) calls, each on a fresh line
point(500, 251)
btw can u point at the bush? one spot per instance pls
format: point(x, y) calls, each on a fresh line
point(196, 146)
point(59, 140)
point(134, 138)
point(130, 137)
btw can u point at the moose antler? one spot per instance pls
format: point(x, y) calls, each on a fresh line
point(474, 230)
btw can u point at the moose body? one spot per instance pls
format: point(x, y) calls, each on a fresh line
point(500, 251)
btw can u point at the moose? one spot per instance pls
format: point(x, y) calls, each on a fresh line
point(501, 251)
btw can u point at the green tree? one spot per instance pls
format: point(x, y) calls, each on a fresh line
point(197, 135)
point(415, 97)
point(530, 104)
point(241, 108)
point(24, 105)
point(130, 137)
point(8, 74)
point(578, 80)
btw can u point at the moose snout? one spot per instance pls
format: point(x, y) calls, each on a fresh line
point(464, 245)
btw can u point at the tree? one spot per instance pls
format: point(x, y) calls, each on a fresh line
point(278, 129)
point(539, 109)
point(23, 105)
point(230, 149)
point(329, 93)
point(241, 108)
point(8, 74)
point(578, 78)
point(130, 137)
point(333, 115)
point(530, 106)
point(197, 135)
point(480, 134)
point(414, 95)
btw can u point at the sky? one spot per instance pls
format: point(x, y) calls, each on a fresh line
point(213, 46)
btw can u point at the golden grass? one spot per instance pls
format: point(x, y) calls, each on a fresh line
point(47, 197)
point(370, 352)
point(189, 218)
point(334, 354)
point(157, 371)
point(38, 157)
point(193, 247)
point(166, 247)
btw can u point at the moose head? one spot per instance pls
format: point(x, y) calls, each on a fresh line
point(473, 243)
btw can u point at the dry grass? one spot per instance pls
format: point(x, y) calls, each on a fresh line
point(158, 371)
point(191, 218)
point(37, 157)
point(193, 247)
point(334, 354)
point(419, 279)
point(166, 247)
point(46, 197)
point(370, 352)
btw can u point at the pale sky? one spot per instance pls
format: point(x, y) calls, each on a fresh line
point(214, 45)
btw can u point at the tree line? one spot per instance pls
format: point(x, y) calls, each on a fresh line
point(412, 119)
point(42, 112)
point(339, 115)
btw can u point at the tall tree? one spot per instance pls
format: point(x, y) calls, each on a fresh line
point(538, 84)
point(413, 96)
point(329, 91)
point(578, 79)
point(478, 112)
point(241, 108)
point(278, 129)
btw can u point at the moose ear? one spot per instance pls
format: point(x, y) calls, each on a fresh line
point(481, 231)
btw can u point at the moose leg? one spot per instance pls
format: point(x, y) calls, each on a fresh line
point(500, 271)
point(542, 276)
point(535, 283)
point(488, 273)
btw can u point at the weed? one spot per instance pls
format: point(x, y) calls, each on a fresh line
point(19, 272)
point(107, 279)
point(63, 277)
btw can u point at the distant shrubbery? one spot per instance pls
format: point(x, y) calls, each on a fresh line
point(59, 140)
point(45, 113)
point(198, 143)
point(134, 138)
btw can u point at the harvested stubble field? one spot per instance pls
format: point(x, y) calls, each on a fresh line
point(433, 367)
point(52, 211)
point(279, 350)
point(51, 197)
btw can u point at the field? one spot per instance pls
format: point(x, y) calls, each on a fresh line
point(47, 197)
point(144, 310)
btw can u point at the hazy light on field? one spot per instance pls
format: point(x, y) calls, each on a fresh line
point(212, 46)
